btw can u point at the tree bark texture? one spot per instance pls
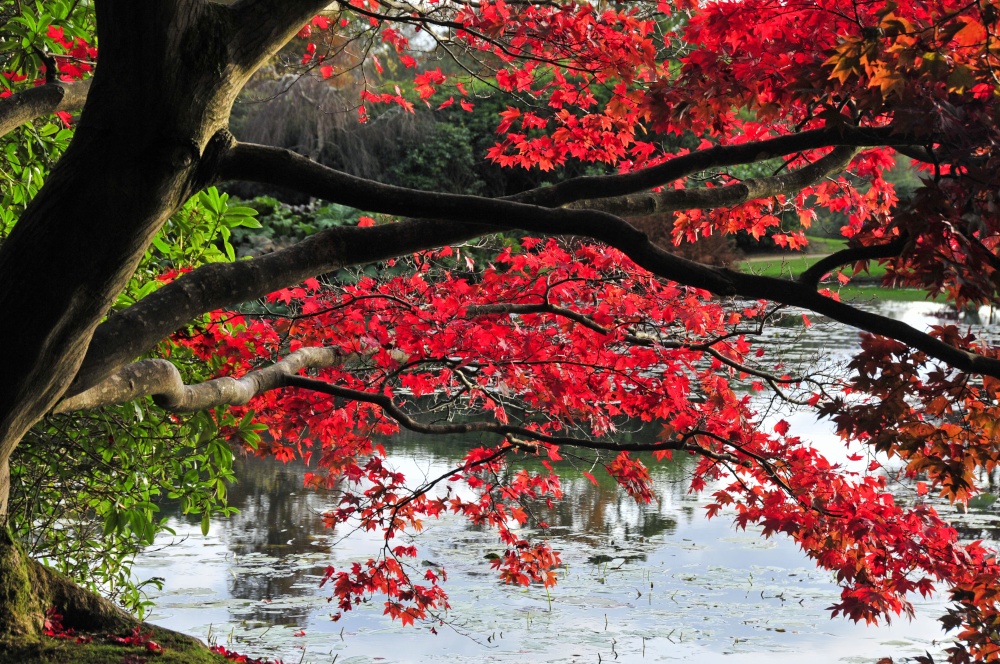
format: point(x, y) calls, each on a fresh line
point(134, 159)
point(151, 134)
point(43, 100)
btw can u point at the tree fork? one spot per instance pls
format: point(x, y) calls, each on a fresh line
point(151, 134)
point(111, 191)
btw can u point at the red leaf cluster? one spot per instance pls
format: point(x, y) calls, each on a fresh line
point(548, 349)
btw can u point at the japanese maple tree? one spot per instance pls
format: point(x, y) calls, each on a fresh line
point(785, 109)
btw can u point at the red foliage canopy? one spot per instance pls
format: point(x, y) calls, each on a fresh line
point(546, 348)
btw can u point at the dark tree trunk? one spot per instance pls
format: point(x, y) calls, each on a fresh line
point(152, 133)
point(149, 136)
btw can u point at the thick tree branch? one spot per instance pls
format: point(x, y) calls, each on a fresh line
point(283, 167)
point(276, 166)
point(457, 218)
point(260, 163)
point(806, 297)
point(26, 105)
point(702, 198)
point(917, 152)
point(134, 331)
point(161, 380)
point(720, 156)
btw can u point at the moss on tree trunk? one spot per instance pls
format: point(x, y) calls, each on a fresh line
point(28, 590)
point(20, 609)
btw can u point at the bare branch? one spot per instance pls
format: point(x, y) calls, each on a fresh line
point(701, 198)
point(26, 105)
point(510, 431)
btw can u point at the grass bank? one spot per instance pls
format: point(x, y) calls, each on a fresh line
point(793, 265)
point(175, 648)
point(861, 293)
point(864, 285)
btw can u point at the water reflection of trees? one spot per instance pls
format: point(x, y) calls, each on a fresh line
point(279, 523)
point(278, 516)
point(600, 512)
point(977, 531)
point(280, 544)
point(589, 513)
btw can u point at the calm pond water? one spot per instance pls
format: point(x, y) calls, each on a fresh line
point(641, 583)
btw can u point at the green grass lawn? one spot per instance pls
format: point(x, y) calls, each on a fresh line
point(852, 293)
point(789, 266)
point(792, 265)
point(825, 245)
